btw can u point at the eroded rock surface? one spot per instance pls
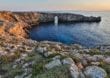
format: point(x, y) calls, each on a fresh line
point(18, 23)
point(95, 72)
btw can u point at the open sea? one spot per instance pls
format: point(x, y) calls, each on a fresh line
point(86, 34)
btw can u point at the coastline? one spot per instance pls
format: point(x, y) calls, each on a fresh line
point(22, 21)
point(21, 57)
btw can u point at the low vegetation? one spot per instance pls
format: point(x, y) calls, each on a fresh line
point(106, 67)
point(57, 72)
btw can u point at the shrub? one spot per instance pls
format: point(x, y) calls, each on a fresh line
point(57, 72)
point(106, 67)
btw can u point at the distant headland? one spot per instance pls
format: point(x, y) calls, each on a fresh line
point(18, 23)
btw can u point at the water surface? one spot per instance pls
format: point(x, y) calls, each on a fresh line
point(86, 34)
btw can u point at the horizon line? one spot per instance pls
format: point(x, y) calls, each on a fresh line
point(56, 10)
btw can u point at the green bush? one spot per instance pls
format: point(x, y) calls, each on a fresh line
point(38, 69)
point(57, 72)
point(106, 67)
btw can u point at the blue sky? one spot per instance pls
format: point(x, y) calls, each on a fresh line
point(54, 5)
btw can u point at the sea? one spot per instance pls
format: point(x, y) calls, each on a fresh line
point(85, 34)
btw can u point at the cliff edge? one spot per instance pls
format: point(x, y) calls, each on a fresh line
point(18, 23)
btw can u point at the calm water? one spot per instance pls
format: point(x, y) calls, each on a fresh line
point(86, 34)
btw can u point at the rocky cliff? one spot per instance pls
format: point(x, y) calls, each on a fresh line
point(67, 17)
point(18, 23)
point(25, 58)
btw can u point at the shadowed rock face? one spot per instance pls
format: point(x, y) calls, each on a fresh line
point(18, 23)
point(67, 17)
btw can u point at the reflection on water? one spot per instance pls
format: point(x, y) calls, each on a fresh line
point(87, 34)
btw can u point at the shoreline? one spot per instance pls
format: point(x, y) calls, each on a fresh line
point(22, 21)
point(21, 57)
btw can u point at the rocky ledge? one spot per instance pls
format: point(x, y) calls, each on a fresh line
point(18, 23)
point(26, 58)
point(67, 17)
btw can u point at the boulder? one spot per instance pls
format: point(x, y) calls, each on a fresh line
point(57, 47)
point(107, 60)
point(81, 75)
point(21, 76)
point(99, 57)
point(79, 65)
point(29, 76)
point(40, 50)
point(74, 71)
point(53, 63)
point(68, 61)
point(84, 62)
point(56, 57)
point(94, 72)
point(47, 54)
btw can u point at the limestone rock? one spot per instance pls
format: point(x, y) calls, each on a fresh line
point(58, 47)
point(47, 54)
point(84, 62)
point(74, 71)
point(95, 63)
point(66, 17)
point(29, 76)
point(40, 50)
point(94, 72)
point(21, 76)
point(52, 64)
point(19, 29)
point(56, 57)
point(81, 75)
point(79, 65)
point(107, 60)
point(68, 61)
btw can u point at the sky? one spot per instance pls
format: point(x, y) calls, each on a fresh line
point(40, 5)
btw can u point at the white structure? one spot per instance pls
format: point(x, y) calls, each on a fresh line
point(56, 20)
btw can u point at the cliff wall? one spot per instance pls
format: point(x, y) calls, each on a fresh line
point(18, 23)
point(67, 17)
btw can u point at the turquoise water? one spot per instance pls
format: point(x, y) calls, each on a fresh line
point(86, 34)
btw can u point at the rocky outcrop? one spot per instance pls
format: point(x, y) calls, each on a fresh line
point(40, 17)
point(19, 30)
point(31, 18)
point(7, 16)
point(18, 23)
point(67, 17)
point(95, 72)
point(32, 58)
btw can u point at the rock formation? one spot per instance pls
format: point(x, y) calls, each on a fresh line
point(25, 58)
point(67, 17)
point(17, 23)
